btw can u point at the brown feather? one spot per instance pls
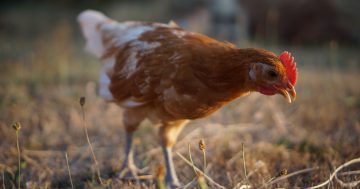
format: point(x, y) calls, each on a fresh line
point(185, 77)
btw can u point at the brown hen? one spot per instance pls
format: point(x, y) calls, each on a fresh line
point(170, 76)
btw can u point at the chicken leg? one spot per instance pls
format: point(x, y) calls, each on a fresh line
point(128, 168)
point(169, 132)
point(132, 120)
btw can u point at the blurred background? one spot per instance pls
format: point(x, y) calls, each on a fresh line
point(44, 70)
point(303, 22)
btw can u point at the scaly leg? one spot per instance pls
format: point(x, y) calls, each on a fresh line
point(169, 133)
point(171, 178)
point(128, 167)
point(132, 120)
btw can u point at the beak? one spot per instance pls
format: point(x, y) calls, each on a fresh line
point(287, 91)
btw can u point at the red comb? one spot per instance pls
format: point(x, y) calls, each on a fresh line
point(290, 65)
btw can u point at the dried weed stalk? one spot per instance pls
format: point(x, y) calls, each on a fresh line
point(68, 167)
point(82, 103)
point(199, 176)
point(281, 177)
point(246, 185)
point(352, 184)
point(191, 160)
point(17, 126)
point(200, 172)
point(244, 162)
point(202, 147)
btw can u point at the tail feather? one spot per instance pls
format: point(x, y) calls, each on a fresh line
point(89, 21)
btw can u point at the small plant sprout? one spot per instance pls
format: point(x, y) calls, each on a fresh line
point(199, 175)
point(202, 147)
point(17, 127)
point(82, 103)
point(283, 172)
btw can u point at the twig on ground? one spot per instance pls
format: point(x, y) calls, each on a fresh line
point(334, 175)
point(350, 173)
point(343, 184)
point(330, 184)
point(82, 103)
point(276, 180)
point(192, 162)
point(246, 179)
point(244, 162)
point(68, 167)
point(191, 184)
point(199, 171)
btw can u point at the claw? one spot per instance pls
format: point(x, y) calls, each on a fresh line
point(131, 172)
point(128, 173)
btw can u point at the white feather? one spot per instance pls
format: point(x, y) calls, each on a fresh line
point(136, 48)
point(252, 74)
point(95, 26)
point(104, 79)
point(89, 21)
point(179, 33)
point(131, 103)
point(129, 32)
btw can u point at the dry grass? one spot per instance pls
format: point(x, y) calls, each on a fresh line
point(68, 166)
point(41, 90)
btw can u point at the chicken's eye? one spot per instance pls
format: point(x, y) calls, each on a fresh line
point(272, 74)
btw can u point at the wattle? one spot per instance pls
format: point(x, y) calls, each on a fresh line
point(267, 91)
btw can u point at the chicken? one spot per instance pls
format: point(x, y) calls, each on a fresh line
point(168, 75)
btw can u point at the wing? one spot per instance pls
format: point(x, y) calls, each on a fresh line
point(123, 52)
point(144, 67)
point(121, 49)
